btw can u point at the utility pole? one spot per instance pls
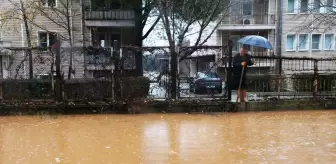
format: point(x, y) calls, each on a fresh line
point(279, 34)
point(278, 64)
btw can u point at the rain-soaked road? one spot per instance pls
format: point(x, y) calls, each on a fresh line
point(272, 137)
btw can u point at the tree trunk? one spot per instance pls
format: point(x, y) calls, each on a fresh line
point(84, 38)
point(173, 67)
point(29, 51)
point(69, 26)
point(58, 80)
point(1, 68)
point(70, 62)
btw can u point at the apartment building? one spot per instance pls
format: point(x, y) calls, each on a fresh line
point(92, 23)
point(308, 29)
point(248, 17)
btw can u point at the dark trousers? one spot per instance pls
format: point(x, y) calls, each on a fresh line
point(236, 80)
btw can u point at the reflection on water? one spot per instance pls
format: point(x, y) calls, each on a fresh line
point(270, 137)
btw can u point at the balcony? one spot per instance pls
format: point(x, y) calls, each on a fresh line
point(255, 19)
point(248, 22)
point(110, 17)
point(116, 14)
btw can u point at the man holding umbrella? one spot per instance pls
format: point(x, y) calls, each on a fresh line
point(240, 62)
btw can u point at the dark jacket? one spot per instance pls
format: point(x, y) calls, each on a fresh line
point(236, 63)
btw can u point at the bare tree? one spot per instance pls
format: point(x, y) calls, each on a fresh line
point(25, 12)
point(315, 19)
point(62, 16)
point(149, 10)
point(180, 17)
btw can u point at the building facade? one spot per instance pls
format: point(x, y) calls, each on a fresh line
point(307, 28)
point(87, 23)
point(248, 17)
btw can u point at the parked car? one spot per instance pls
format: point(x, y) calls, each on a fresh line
point(206, 81)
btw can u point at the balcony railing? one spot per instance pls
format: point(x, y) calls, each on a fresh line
point(109, 14)
point(100, 56)
point(255, 19)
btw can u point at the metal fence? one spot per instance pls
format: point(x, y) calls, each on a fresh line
point(102, 73)
point(299, 78)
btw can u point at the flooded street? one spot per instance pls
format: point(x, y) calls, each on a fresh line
point(268, 137)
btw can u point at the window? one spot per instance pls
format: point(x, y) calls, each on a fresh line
point(247, 8)
point(304, 6)
point(330, 6)
point(316, 41)
point(46, 39)
point(303, 42)
point(235, 43)
point(49, 3)
point(235, 8)
point(290, 43)
point(317, 6)
point(290, 7)
point(329, 42)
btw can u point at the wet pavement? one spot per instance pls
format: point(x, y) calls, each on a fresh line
point(264, 137)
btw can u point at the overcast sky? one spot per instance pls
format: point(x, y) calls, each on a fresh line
point(158, 37)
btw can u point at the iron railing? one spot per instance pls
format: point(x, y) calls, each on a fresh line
point(254, 19)
point(109, 14)
point(270, 77)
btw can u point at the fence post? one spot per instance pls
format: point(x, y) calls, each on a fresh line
point(229, 71)
point(1, 76)
point(315, 79)
point(279, 76)
point(112, 75)
point(121, 74)
point(116, 75)
point(58, 79)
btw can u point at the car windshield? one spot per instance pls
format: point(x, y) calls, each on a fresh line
point(207, 75)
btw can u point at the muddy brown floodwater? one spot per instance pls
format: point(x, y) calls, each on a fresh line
point(268, 137)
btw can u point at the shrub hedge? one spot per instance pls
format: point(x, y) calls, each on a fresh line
point(74, 89)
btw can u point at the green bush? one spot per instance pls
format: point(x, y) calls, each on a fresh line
point(87, 89)
point(135, 87)
point(93, 89)
point(74, 89)
point(26, 89)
